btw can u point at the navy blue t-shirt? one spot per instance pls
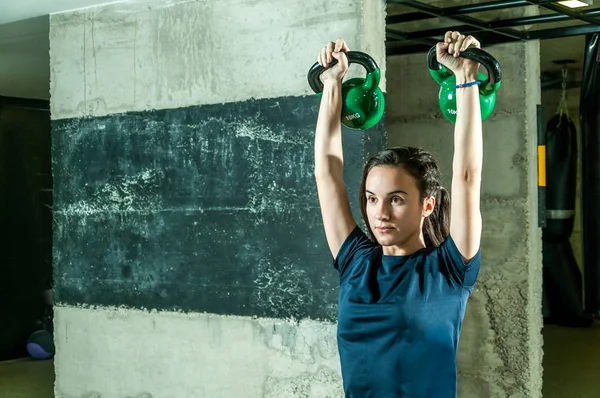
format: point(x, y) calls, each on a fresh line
point(400, 318)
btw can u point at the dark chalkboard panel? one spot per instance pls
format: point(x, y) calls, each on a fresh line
point(209, 208)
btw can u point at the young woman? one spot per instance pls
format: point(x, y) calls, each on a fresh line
point(404, 287)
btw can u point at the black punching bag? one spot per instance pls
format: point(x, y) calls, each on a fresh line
point(561, 172)
point(589, 114)
point(563, 296)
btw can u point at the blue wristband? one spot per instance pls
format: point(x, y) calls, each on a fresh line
point(476, 82)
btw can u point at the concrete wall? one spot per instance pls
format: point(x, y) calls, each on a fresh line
point(500, 351)
point(166, 54)
point(130, 84)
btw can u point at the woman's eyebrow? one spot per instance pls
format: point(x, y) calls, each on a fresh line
point(389, 193)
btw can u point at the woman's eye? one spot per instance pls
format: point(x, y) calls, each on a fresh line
point(371, 199)
point(397, 200)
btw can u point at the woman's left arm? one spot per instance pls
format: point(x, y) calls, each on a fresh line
point(465, 213)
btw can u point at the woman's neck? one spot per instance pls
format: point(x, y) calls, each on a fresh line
point(412, 245)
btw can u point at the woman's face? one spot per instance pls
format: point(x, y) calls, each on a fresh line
point(394, 207)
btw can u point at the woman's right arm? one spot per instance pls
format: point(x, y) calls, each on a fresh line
point(329, 159)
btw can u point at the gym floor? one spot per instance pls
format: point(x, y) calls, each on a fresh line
point(26, 378)
point(571, 357)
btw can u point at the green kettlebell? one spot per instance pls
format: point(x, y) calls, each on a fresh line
point(447, 81)
point(363, 103)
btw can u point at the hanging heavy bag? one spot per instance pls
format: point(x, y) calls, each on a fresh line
point(561, 171)
point(562, 287)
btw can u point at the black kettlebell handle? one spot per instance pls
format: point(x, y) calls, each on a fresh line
point(475, 54)
point(354, 57)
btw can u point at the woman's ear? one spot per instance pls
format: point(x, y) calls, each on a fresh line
point(428, 206)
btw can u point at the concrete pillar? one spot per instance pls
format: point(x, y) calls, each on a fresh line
point(500, 350)
point(189, 254)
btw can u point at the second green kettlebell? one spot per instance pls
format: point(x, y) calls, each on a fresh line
point(446, 79)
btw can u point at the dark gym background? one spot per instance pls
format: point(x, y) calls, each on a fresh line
point(25, 220)
point(570, 354)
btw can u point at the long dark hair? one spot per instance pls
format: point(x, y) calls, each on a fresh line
point(424, 168)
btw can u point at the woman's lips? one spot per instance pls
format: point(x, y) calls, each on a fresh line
point(384, 229)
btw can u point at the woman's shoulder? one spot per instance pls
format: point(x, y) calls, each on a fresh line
point(357, 247)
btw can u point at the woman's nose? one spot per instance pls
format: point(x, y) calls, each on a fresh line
point(382, 212)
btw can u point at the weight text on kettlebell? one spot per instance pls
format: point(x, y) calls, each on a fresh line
point(353, 116)
point(452, 111)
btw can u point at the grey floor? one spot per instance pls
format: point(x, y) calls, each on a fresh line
point(571, 363)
